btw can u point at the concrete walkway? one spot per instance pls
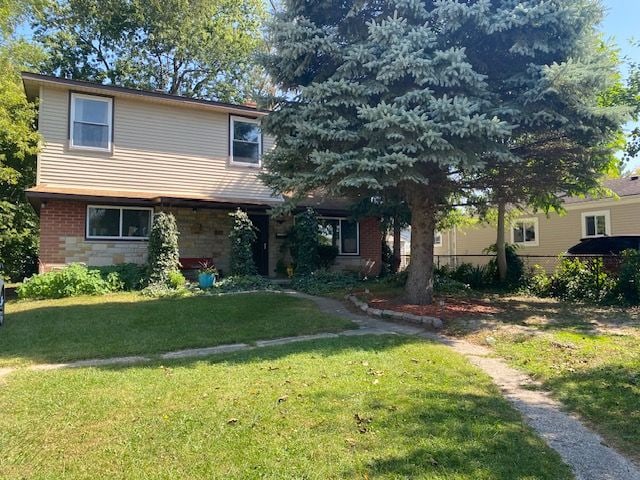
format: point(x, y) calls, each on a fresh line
point(582, 449)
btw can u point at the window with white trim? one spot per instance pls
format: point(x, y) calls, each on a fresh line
point(342, 233)
point(117, 223)
point(524, 231)
point(90, 122)
point(596, 224)
point(437, 239)
point(245, 142)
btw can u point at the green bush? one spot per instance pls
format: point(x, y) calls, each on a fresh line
point(327, 255)
point(539, 282)
point(176, 279)
point(71, 281)
point(131, 275)
point(242, 236)
point(305, 242)
point(576, 279)
point(475, 276)
point(629, 277)
point(242, 283)
point(515, 268)
point(322, 281)
point(163, 249)
point(447, 285)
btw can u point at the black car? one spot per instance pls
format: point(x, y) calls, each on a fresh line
point(612, 245)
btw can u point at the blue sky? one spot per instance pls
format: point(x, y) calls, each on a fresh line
point(622, 24)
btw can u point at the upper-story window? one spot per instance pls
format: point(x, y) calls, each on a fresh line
point(108, 222)
point(524, 232)
point(596, 224)
point(246, 142)
point(91, 122)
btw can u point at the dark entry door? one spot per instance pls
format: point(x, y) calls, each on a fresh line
point(261, 247)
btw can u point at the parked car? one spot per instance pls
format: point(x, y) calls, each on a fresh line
point(609, 245)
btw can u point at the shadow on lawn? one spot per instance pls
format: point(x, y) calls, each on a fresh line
point(122, 326)
point(435, 429)
point(547, 314)
point(608, 397)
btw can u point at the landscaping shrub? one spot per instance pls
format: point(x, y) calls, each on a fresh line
point(305, 242)
point(539, 282)
point(629, 277)
point(163, 249)
point(176, 279)
point(323, 281)
point(73, 280)
point(327, 255)
point(515, 268)
point(475, 276)
point(576, 280)
point(242, 236)
point(131, 275)
point(447, 285)
point(242, 283)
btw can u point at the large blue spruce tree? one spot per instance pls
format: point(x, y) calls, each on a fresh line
point(412, 96)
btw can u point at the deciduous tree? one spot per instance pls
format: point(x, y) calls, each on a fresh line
point(196, 48)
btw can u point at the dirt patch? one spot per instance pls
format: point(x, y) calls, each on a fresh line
point(446, 308)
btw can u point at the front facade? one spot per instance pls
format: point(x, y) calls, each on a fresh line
point(112, 157)
point(547, 236)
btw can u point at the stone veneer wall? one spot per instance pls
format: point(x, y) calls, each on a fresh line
point(62, 239)
point(203, 233)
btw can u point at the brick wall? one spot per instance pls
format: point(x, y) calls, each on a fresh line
point(58, 220)
point(62, 239)
point(371, 243)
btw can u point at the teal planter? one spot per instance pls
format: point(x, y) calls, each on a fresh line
point(206, 280)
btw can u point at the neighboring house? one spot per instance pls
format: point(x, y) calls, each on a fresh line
point(113, 156)
point(552, 235)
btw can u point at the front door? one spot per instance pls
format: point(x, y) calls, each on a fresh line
point(261, 247)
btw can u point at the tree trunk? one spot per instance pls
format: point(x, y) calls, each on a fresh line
point(501, 251)
point(419, 288)
point(397, 253)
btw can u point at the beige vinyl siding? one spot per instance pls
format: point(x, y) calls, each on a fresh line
point(156, 148)
point(556, 233)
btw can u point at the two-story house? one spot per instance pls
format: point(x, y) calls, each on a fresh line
point(113, 156)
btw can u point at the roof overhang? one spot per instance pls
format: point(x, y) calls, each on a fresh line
point(39, 195)
point(33, 81)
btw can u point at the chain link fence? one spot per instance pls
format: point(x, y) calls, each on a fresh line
point(547, 262)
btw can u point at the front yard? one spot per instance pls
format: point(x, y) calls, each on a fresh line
point(589, 357)
point(130, 324)
point(367, 407)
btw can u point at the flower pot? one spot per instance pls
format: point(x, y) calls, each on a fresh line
point(206, 280)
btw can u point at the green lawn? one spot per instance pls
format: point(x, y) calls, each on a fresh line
point(597, 376)
point(589, 357)
point(367, 407)
point(129, 324)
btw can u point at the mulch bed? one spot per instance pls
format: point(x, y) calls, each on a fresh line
point(446, 308)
